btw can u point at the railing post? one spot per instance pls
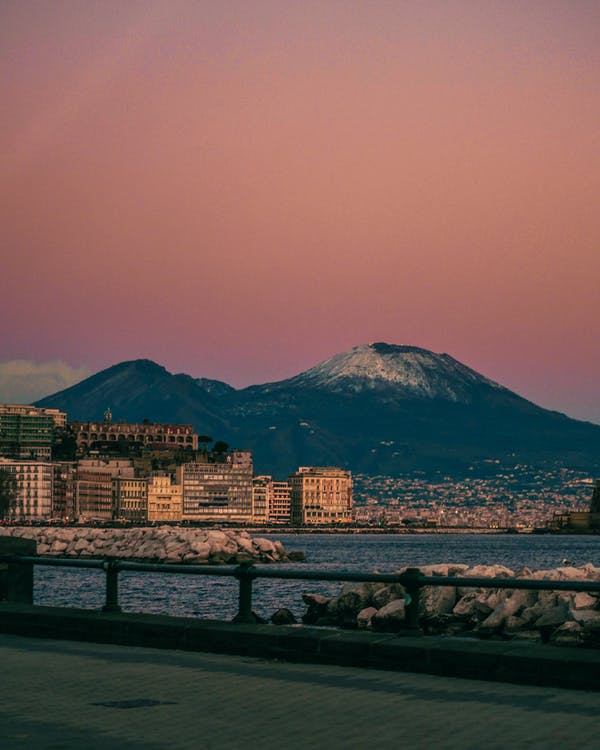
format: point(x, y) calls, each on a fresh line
point(245, 574)
point(411, 612)
point(112, 586)
point(16, 579)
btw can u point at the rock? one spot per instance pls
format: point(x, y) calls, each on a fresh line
point(495, 620)
point(389, 618)
point(317, 606)
point(57, 547)
point(222, 548)
point(364, 617)
point(265, 545)
point(201, 548)
point(356, 597)
point(530, 614)
point(590, 572)
point(444, 569)
point(586, 616)
point(243, 544)
point(283, 617)
point(553, 617)
point(386, 594)
point(472, 605)
point(568, 634)
point(524, 572)
point(315, 599)
point(513, 624)
point(581, 600)
point(436, 600)
point(483, 571)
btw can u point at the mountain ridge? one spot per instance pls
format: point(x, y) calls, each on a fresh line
point(378, 408)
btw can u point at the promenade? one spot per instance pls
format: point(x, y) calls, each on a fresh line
point(65, 695)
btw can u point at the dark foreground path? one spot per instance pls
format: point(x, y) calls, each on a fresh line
point(62, 695)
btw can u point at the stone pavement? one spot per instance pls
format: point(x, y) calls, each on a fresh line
point(64, 695)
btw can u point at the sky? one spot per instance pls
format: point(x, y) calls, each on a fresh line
point(241, 190)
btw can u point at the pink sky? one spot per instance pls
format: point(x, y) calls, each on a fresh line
point(239, 190)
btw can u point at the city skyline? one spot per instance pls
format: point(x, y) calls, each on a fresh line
point(242, 192)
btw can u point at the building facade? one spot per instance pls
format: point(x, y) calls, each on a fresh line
point(93, 490)
point(33, 489)
point(130, 498)
point(270, 500)
point(63, 494)
point(29, 432)
point(217, 491)
point(164, 499)
point(261, 491)
point(320, 495)
point(95, 435)
point(280, 503)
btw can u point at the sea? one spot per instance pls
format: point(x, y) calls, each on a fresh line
point(217, 598)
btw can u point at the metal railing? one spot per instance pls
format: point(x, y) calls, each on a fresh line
point(412, 580)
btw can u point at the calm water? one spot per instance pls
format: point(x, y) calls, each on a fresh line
point(217, 597)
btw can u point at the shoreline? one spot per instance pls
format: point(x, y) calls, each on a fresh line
point(315, 530)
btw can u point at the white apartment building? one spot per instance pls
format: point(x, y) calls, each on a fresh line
point(33, 489)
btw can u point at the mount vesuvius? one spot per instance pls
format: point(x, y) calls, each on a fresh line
point(378, 408)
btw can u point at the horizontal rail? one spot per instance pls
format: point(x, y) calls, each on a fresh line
point(350, 576)
point(412, 579)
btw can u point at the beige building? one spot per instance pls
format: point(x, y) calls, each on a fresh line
point(93, 435)
point(321, 495)
point(33, 489)
point(270, 500)
point(129, 498)
point(280, 503)
point(220, 491)
point(164, 499)
point(93, 490)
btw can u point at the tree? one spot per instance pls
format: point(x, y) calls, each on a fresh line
point(219, 452)
point(65, 447)
point(8, 492)
point(204, 440)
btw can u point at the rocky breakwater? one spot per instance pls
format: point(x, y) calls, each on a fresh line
point(559, 617)
point(164, 544)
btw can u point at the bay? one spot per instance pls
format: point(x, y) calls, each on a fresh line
point(216, 598)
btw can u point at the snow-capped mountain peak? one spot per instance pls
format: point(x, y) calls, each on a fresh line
point(408, 370)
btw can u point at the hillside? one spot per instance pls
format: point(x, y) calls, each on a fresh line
point(378, 409)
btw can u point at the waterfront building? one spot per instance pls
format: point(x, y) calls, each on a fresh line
point(130, 498)
point(96, 435)
point(164, 499)
point(93, 495)
point(33, 489)
point(279, 503)
point(261, 489)
point(29, 432)
point(270, 500)
point(219, 491)
point(581, 520)
point(63, 491)
point(320, 495)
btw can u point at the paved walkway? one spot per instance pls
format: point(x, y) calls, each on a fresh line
point(62, 695)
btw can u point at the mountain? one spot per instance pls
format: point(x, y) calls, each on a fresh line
point(139, 390)
point(379, 409)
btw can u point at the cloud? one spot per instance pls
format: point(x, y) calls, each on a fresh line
point(22, 381)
